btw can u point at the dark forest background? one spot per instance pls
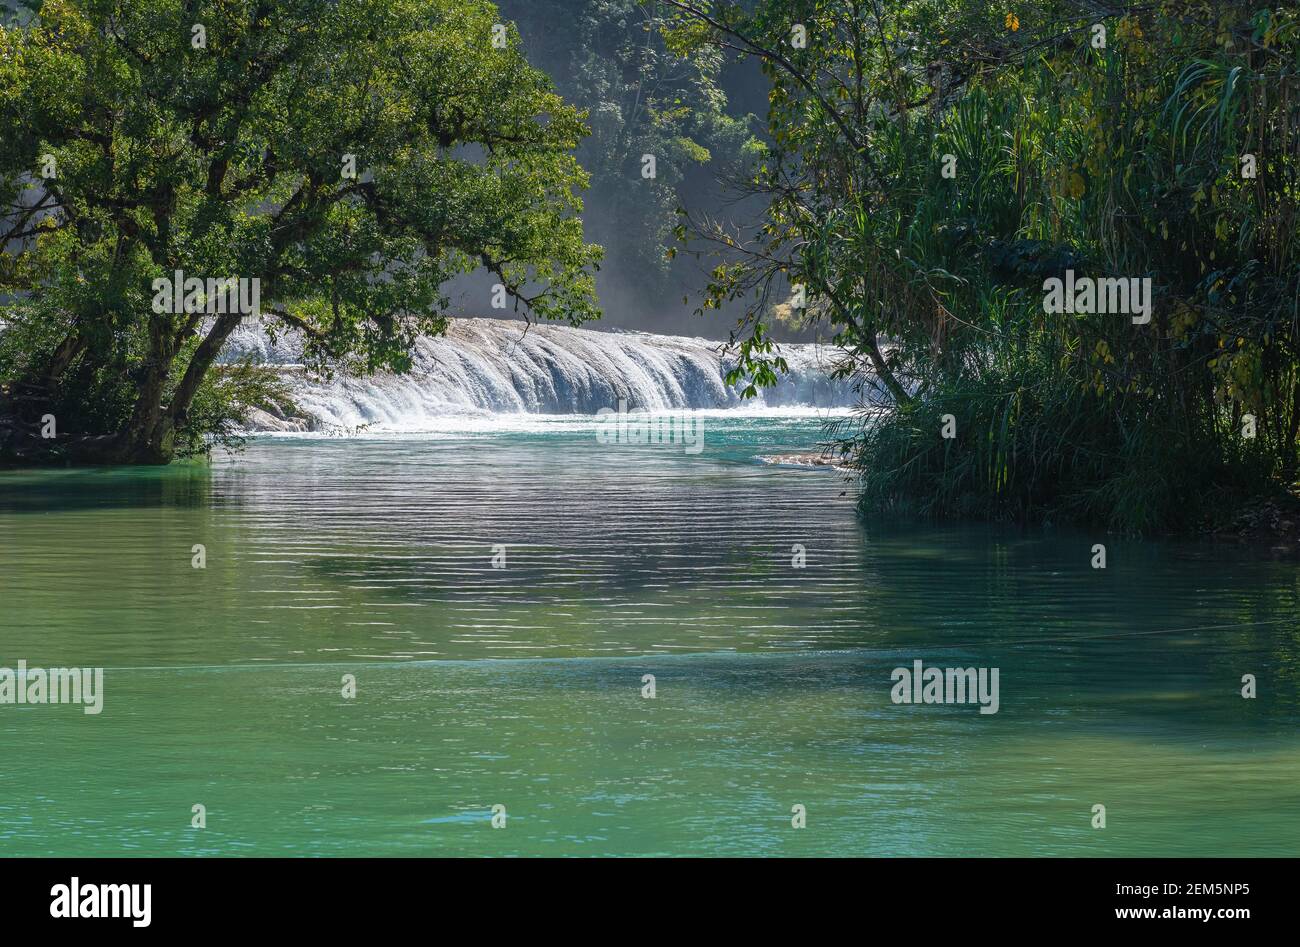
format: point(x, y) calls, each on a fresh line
point(699, 117)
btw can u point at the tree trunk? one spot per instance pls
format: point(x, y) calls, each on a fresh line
point(885, 373)
point(146, 438)
point(199, 364)
point(64, 355)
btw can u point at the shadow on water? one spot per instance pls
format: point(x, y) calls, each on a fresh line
point(182, 485)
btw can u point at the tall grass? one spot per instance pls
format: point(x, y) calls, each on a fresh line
point(1118, 162)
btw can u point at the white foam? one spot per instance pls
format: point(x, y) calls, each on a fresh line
point(492, 374)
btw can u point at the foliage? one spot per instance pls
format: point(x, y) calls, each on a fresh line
point(230, 158)
point(1117, 160)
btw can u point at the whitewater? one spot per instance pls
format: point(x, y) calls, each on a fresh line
point(485, 368)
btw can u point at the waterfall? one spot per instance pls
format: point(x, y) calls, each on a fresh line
point(493, 366)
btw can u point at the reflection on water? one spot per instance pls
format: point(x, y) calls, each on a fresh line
point(522, 685)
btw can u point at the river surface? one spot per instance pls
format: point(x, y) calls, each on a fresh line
point(769, 614)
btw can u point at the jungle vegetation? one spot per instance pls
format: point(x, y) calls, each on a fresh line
point(929, 165)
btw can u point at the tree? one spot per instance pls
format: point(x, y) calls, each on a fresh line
point(350, 156)
point(933, 164)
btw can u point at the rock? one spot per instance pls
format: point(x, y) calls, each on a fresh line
point(259, 420)
point(803, 459)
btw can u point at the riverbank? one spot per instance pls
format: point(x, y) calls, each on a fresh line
point(1270, 524)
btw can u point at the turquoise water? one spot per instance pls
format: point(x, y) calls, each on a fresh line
point(522, 686)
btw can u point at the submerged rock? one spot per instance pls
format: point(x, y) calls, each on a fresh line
point(805, 459)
